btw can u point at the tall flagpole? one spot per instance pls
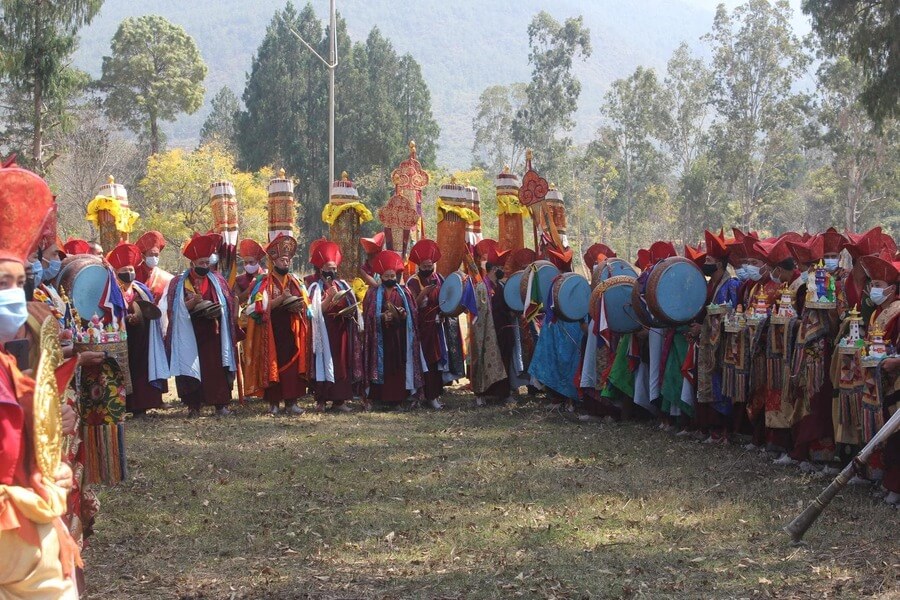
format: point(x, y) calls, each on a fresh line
point(331, 64)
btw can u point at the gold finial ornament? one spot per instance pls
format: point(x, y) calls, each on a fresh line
point(529, 154)
point(47, 411)
point(110, 179)
point(345, 176)
point(281, 173)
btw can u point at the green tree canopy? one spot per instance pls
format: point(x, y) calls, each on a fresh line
point(219, 127)
point(494, 145)
point(154, 72)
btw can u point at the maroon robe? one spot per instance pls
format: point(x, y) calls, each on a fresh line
point(291, 383)
point(429, 333)
point(143, 395)
point(392, 390)
point(346, 354)
point(215, 388)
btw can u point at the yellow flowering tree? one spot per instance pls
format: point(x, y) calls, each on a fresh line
point(175, 197)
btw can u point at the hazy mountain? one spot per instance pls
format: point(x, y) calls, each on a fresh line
point(463, 46)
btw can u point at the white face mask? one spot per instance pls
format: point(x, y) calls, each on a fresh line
point(251, 269)
point(877, 295)
point(13, 312)
point(151, 261)
point(753, 272)
point(831, 264)
point(213, 259)
point(774, 279)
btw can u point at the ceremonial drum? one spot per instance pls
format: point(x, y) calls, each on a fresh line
point(676, 291)
point(571, 296)
point(611, 267)
point(614, 294)
point(511, 293)
point(83, 279)
point(450, 296)
point(545, 272)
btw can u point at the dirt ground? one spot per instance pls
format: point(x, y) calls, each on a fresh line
point(468, 502)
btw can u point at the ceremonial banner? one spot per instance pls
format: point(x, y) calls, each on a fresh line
point(282, 211)
point(409, 179)
point(110, 214)
point(343, 214)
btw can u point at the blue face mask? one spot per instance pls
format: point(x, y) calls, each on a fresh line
point(804, 276)
point(13, 312)
point(774, 278)
point(831, 264)
point(52, 269)
point(753, 272)
point(37, 271)
point(876, 295)
point(741, 273)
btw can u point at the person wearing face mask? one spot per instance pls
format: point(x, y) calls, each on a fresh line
point(371, 246)
point(201, 347)
point(151, 244)
point(857, 246)
point(493, 337)
point(335, 322)
point(38, 554)
point(145, 347)
point(278, 332)
point(425, 286)
point(713, 411)
point(884, 276)
point(252, 255)
point(394, 363)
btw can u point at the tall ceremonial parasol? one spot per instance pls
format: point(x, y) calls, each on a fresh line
point(510, 212)
point(409, 179)
point(473, 229)
point(223, 201)
point(111, 215)
point(532, 192)
point(453, 220)
point(282, 210)
point(343, 214)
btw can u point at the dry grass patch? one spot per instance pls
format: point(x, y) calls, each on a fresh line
point(468, 503)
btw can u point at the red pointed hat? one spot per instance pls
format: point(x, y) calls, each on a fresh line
point(202, 246)
point(809, 251)
point(373, 244)
point(879, 268)
point(695, 255)
point(864, 244)
point(151, 240)
point(833, 241)
point(521, 258)
point(387, 260)
point(561, 258)
point(643, 259)
point(250, 248)
point(283, 245)
point(76, 246)
point(326, 252)
point(715, 244)
point(483, 248)
point(661, 251)
point(424, 250)
point(737, 252)
point(775, 252)
point(496, 256)
point(25, 200)
point(592, 255)
point(125, 255)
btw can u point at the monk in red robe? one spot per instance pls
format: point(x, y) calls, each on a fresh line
point(199, 322)
point(144, 335)
point(337, 346)
point(278, 332)
point(425, 287)
point(148, 272)
point(393, 357)
point(252, 255)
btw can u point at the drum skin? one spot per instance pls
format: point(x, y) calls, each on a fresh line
point(451, 293)
point(676, 291)
point(546, 273)
point(83, 278)
point(611, 267)
point(571, 296)
point(616, 294)
point(511, 292)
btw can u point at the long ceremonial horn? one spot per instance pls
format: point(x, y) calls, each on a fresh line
point(804, 520)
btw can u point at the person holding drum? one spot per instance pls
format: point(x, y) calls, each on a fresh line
point(335, 317)
point(149, 272)
point(394, 364)
point(145, 347)
point(198, 314)
point(425, 287)
point(278, 332)
point(493, 337)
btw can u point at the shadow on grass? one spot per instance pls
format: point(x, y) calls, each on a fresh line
point(466, 504)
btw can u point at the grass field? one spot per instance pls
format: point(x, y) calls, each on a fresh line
point(469, 503)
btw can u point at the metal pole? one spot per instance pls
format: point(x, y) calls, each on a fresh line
point(332, 65)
